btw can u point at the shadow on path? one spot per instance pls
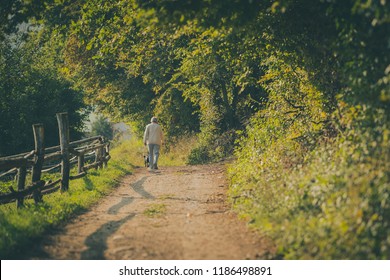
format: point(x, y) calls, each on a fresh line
point(139, 188)
point(115, 208)
point(97, 241)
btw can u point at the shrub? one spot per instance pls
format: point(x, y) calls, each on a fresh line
point(328, 202)
point(199, 155)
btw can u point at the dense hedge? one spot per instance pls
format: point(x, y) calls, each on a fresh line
point(320, 189)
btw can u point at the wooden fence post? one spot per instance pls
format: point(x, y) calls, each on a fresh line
point(22, 171)
point(63, 126)
point(80, 167)
point(98, 155)
point(107, 152)
point(39, 137)
point(104, 153)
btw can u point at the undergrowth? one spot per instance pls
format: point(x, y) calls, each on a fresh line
point(178, 151)
point(330, 200)
point(314, 174)
point(211, 148)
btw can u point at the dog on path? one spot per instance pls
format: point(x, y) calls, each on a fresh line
point(146, 160)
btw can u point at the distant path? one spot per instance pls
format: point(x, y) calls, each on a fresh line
point(176, 213)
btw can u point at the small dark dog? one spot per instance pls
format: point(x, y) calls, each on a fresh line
point(146, 160)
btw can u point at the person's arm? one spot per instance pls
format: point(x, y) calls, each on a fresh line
point(146, 135)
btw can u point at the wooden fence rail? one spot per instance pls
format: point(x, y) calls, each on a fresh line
point(43, 159)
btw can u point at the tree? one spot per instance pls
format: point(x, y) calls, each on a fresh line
point(32, 91)
point(102, 126)
point(206, 61)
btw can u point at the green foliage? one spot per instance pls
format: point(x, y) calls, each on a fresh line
point(31, 91)
point(13, 13)
point(131, 64)
point(318, 196)
point(199, 155)
point(212, 149)
point(177, 116)
point(304, 83)
point(102, 126)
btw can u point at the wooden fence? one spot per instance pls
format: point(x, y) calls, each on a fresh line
point(50, 159)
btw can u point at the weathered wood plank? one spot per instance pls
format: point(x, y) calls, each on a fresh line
point(39, 139)
point(80, 175)
point(22, 155)
point(50, 185)
point(82, 141)
point(87, 149)
point(51, 168)
point(13, 195)
point(51, 190)
point(16, 162)
point(63, 126)
point(53, 156)
point(22, 172)
point(92, 165)
point(80, 165)
point(13, 170)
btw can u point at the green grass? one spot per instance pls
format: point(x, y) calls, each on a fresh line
point(19, 228)
point(155, 210)
point(177, 154)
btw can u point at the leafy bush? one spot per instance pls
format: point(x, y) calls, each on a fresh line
point(199, 155)
point(328, 202)
point(213, 148)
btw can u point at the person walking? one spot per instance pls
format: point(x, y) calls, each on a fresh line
point(153, 139)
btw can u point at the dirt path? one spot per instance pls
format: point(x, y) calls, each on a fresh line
point(175, 213)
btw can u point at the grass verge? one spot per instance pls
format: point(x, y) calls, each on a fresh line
point(20, 228)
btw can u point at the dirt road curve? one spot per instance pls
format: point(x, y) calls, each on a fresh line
point(175, 213)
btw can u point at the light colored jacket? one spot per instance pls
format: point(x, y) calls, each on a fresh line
point(153, 134)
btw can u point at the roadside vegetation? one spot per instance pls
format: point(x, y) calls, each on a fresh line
point(297, 91)
point(318, 197)
point(20, 228)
